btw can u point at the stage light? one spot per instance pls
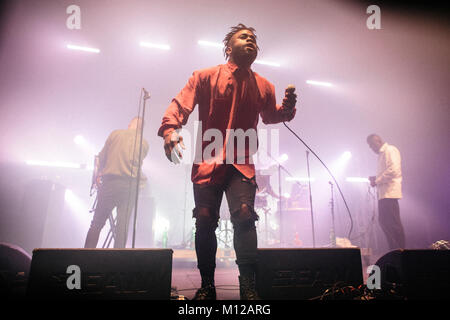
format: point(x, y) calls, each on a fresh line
point(78, 207)
point(267, 63)
point(58, 164)
point(210, 44)
point(340, 164)
point(283, 158)
point(84, 145)
point(346, 156)
point(79, 140)
point(319, 83)
point(161, 224)
point(154, 45)
point(74, 202)
point(357, 179)
point(161, 228)
point(80, 48)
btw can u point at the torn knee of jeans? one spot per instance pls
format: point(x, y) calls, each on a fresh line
point(244, 214)
point(205, 218)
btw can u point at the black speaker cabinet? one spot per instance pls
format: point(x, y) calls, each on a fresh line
point(299, 274)
point(119, 274)
point(416, 274)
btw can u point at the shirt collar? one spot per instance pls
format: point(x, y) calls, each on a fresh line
point(233, 68)
point(383, 147)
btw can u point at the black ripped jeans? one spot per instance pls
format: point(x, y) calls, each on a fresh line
point(240, 194)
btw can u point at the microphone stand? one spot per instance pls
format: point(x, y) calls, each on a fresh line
point(146, 97)
point(280, 210)
point(310, 200)
point(332, 231)
point(184, 244)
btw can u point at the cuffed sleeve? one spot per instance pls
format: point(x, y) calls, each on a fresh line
point(181, 107)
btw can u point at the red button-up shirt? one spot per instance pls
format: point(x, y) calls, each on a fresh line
point(228, 97)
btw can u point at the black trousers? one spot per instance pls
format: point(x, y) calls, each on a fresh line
point(115, 192)
point(390, 223)
point(240, 194)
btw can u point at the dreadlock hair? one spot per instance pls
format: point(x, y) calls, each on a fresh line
point(233, 31)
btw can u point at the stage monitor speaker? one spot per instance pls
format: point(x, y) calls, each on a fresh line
point(300, 274)
point(14, 269)
point(416, 274)
point(119, 274)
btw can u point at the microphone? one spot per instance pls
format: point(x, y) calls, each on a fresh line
point(290, 98)
point(146, 94)
point(290, 88)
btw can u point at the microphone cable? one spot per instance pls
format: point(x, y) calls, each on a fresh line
point(334, 179)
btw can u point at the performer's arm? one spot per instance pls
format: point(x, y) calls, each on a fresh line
point(393, 167)
point(102, 155)
point(273, 113)
point(182, 105)
point(177, 114)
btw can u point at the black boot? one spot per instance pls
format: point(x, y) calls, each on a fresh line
point(247, 288)
point(206, 293)
point(208, 289)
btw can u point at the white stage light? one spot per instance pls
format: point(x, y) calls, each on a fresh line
point(341, 163)
point(319, 83)
point(78, 207)
point(161, 224)
point(80, 48)
point(58, 164)
point(357, 179)
point(346, 156)
point(283, 158)
point(79, 140)
point(161, 228)
point(84, 145)
point(154, 45)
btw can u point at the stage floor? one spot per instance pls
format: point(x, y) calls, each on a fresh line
point(186, 277)
point(186, 281)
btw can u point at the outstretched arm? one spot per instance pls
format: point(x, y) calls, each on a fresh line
point(177, 115)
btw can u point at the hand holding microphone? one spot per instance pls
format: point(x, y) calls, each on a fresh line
point(290, 99)
point(173, 145)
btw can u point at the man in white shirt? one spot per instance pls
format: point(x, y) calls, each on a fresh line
point(388, 182)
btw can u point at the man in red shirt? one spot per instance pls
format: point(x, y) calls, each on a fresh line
point(230, 98)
